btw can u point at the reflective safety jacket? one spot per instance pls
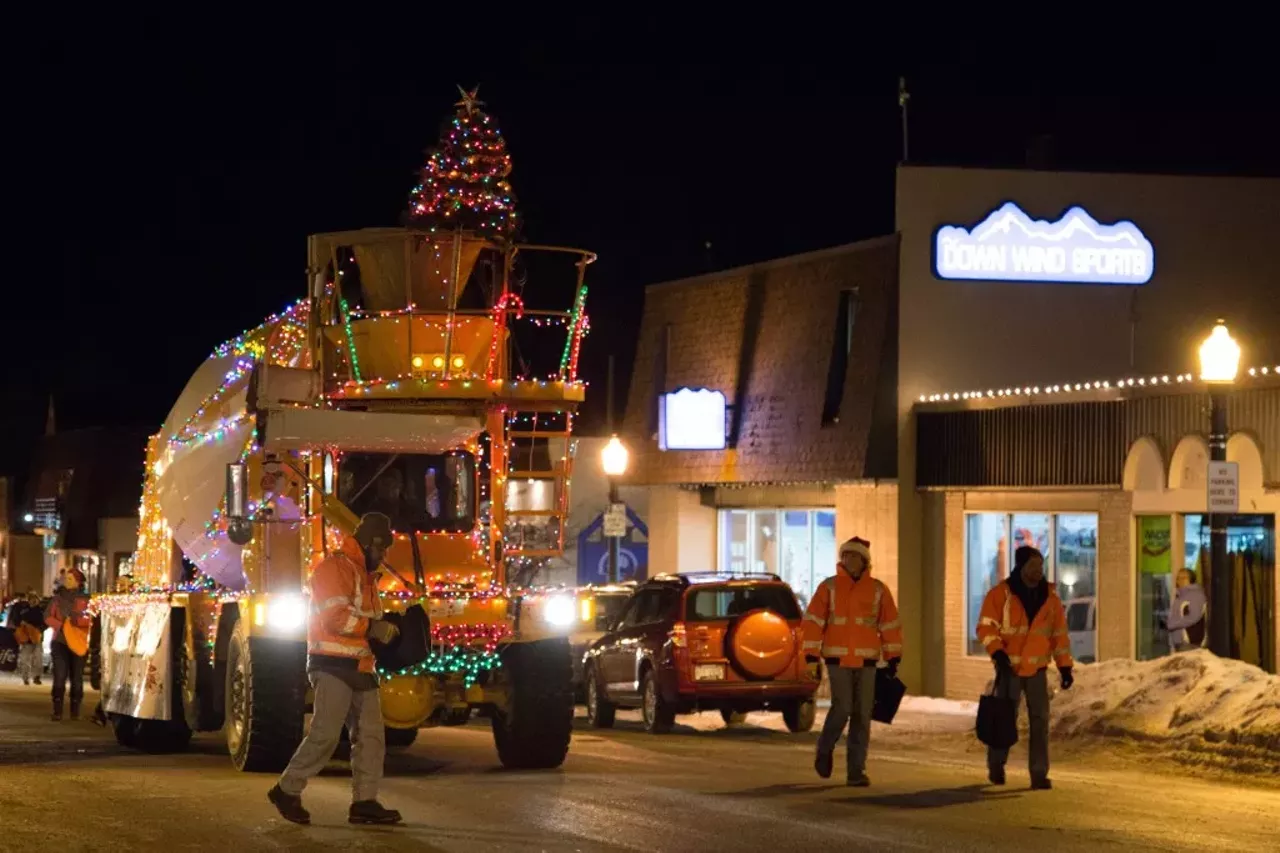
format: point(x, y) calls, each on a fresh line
point(1002, 625)
point(854, 621)
point(344, 600)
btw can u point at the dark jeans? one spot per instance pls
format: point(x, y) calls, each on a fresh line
point(1036, 690)
point(67, 665)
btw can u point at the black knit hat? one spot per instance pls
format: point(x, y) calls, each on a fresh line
point(373, 526)
point(1023, 555)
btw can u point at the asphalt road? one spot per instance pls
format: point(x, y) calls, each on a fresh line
point(68, 787)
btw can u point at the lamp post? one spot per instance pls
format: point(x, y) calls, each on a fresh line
point(613, 458)
point(1219, 362)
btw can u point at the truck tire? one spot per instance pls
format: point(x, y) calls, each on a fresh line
point(799, 715)
point(400, 738)
point(266, 700)
point(532, 732)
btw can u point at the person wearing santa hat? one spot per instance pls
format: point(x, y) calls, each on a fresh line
point(852, 624)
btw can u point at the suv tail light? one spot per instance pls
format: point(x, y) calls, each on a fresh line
point(679, 637)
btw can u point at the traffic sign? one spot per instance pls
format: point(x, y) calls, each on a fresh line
point(1224, 487)
point(615, 520)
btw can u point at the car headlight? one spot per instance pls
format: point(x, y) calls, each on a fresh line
point(559, 611)
point(286, 613)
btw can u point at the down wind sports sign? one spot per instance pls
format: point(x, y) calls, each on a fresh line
point(1008, 245)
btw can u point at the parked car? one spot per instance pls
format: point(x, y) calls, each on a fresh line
point(598, 607)
point(1082, 624)
point(686, 643)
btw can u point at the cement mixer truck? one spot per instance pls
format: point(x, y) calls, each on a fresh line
point(406, 382)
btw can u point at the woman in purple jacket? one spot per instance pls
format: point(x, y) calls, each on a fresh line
point(1187, 613)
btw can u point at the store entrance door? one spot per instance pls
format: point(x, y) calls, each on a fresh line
point(1251, 550)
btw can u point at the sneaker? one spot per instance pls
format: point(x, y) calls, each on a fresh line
point(823, 764)
point(859, 781)
point(289, 806)
point(995, 775)
point(371, 811)
point(1042, 784)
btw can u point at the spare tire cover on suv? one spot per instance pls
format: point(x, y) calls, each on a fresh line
point(760, 644)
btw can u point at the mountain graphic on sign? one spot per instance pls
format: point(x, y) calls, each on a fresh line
point(1008, 245)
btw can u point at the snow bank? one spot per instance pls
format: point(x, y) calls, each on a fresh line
point(1194, 698)
point(946, 707)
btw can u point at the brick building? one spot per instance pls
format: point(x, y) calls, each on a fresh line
point(803, 350)
point(1002, 370)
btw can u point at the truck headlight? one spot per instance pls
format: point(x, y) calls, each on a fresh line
point(286, 613)
point(559, 611)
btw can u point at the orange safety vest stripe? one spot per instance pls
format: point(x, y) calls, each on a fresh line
point(854, 621)
point(344, 600)
point(1002, 626)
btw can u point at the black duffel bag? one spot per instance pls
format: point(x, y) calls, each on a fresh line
point(410, 647)
point(889, 693)
point(997, 725)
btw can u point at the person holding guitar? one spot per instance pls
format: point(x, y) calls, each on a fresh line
point(68, 616)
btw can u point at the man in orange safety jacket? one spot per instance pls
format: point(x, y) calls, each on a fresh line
point(345, 615)
point(1023, 626)
point(852, 624)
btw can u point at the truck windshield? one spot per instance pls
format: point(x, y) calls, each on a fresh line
point(427, 494)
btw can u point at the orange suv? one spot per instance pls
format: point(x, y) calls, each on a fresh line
point(686, 643)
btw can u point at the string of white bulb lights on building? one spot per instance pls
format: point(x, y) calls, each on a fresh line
point(1096, 385)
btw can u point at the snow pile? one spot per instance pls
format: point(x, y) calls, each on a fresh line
point(944, 707)
point(1195, 699)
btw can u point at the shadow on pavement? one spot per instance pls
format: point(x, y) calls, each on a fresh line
point(782, 790)
point(935, 798)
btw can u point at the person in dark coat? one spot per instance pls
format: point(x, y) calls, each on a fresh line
point(68, 614)
point(26, 618)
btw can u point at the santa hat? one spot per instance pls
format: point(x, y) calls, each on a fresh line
point(857, 546)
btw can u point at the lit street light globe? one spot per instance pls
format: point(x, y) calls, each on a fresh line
point(1219, 356)
point(614, 458)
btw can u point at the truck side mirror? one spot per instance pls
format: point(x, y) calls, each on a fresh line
point(239, 528)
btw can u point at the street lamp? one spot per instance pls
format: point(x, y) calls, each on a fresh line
point(613, 459)
point(1219, 362)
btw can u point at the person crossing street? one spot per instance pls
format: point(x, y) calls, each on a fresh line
point(852, 624)
point(68, 616)
point(27, 621)
point(1023, 626)
point(345, 615)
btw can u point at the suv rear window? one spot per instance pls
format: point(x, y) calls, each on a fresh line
point(706, 604)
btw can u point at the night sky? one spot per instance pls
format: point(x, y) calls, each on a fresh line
point(169, 174)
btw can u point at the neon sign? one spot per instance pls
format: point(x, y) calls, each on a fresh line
point(1076, 249)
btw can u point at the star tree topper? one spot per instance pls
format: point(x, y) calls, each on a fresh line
point(469, 99)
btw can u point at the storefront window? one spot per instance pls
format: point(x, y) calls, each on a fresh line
point(798, 545)
point(1069, 543)
point(1155, 584)
point(1251, 556)
point(733, 553)
point(985, 566)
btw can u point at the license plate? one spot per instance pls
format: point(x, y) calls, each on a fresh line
point(708, 672)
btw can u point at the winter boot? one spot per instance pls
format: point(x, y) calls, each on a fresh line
point(823, 764)
point(289, 806)
point(37, 681)
point(26, 681)
point(75, 710)
point(995, 775)
point(371, 811)
point(57, 709)
point(1041, 784)
point(859, 781)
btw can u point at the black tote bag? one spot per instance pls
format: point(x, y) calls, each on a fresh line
point(889, 693)
point(997, 725)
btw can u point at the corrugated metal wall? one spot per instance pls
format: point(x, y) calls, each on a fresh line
point(1077, 444)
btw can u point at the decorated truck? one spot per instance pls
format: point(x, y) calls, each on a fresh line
point(406, 381)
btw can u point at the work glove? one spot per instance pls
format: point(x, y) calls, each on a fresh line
point(382, 631)
point(1067, 678)
point(1003, 664)
point(893, 667)
point(812, 667)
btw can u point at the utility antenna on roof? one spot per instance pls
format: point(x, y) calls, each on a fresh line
point(903, 97)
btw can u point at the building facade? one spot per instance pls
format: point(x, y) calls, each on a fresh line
point(1018, 368)
point(802, 352)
